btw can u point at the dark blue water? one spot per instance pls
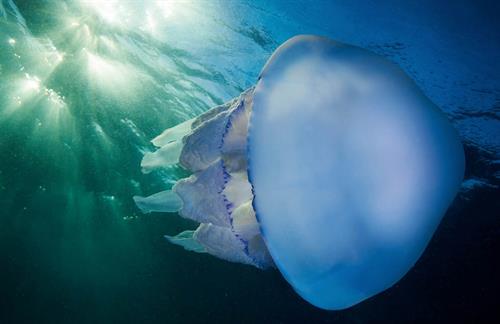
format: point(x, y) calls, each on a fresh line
point(84, 86)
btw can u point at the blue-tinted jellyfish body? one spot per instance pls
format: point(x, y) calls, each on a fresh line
point(335, 168)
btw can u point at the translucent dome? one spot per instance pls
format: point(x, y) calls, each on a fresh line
point(352, 169)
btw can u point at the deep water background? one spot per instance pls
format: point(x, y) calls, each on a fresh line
point(85, 85)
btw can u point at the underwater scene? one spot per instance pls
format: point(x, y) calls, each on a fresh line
point(249, 161)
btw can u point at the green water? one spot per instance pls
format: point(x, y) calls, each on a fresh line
point(81, 95)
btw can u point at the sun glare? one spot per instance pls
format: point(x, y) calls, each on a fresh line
point(107, 10)
point(165, 7)
point(32, 83)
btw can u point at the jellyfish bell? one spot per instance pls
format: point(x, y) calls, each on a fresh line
point(335, 168)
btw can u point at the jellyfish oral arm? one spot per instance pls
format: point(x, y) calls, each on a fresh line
point(218, 194)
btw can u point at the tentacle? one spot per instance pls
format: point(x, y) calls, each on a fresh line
point(211, 113)
point(237, 189)
point(169, 154)
point(201, 196)
point(172, 134)
point(244, 222)
point(221, 242)
point(187, 241)
point(202, 147)
point(164, 201)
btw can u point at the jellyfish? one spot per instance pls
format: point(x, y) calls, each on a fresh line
point(334, 168)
